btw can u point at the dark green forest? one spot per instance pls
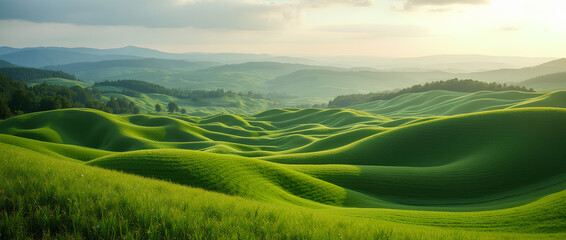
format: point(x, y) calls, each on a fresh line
point(17, 98)
point(464, 85)
point(5, 64)
point(30, 74)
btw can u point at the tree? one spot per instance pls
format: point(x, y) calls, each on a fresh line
point(23, 100)
point(49, 103)
point(65, 102)
point(158, 107)
point(183, 111)
point(5, 111)
point(132, 106)
point(114, 105)
point(172, 107)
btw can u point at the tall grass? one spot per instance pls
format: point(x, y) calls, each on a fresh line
point(43, 197)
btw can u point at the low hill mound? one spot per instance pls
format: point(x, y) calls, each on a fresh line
point(441, 162)
point(59, 81)
point(219, 133)
point(76, 193)
point(450, 160)
point(501, 172)
point(227, 174)
point(449, 103)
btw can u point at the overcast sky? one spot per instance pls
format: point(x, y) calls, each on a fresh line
point(387, 28)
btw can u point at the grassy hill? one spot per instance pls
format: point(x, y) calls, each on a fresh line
point(468, 172)
point(59, 81)
point(238, 104)
point(448, 103)
point(87, 202)
point(146, 101)
point(331, 83)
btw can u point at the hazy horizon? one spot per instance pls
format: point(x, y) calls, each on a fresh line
point(283, 55)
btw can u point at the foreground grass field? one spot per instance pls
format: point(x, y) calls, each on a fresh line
point(289, 173)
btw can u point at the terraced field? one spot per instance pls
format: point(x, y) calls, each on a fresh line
point(434, 165)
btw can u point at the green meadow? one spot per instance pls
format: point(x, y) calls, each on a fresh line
point(430, 165)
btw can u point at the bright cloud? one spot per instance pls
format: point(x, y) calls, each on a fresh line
point(411, 4)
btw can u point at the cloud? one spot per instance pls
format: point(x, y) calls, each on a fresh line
point(412, 4)
point(235, 14)
point(328, 3)
point(220, 14)
point(440, 10)
point(379, 30)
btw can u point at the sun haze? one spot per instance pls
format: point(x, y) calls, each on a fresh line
point(388, 28)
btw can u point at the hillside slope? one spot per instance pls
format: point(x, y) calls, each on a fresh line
point(90, 202)
point(332, 83)
point(449, 103)
point(467, 151)
point(468, 172)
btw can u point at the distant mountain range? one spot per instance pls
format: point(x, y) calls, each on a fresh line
point(518, 75)
point(549, 82)
point(291, 76)
point(131, 63)
point(44, 56)
point(446, 63)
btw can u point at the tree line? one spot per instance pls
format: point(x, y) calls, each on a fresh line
point(30, 74)
point(17, 98)
point(465, 85)
point(195, 95)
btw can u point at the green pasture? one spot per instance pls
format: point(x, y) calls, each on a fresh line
point(435, 165)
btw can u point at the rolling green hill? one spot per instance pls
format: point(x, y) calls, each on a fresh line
point(238, 104)
point(331, 83)
point(205, 106)
point(81, 201)
point(457, 85)
point(58, 81)
point(448, 103)
point(433, 165)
